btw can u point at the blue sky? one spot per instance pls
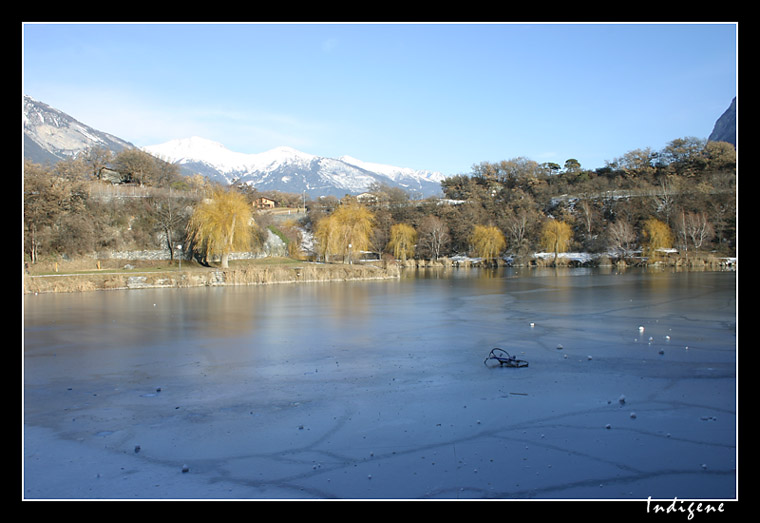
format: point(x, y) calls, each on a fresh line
point(429, 96)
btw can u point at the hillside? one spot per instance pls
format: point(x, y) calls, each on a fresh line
point(725, 127)
point(51, 135)
point(288, 170)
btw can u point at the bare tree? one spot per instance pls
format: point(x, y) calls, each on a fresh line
point(663, 198)
point(172, 214)
point(433, 235)
point(517, 227)
point(588, 215)
point(621, 236)
point(694, 228)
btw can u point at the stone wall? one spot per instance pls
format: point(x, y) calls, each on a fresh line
point(264, 275)
point(273, 246)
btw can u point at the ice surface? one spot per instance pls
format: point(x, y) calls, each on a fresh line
point(377, 390)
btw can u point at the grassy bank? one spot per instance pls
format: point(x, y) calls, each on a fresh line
point(80, 276)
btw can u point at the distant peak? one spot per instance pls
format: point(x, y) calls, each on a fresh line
point(193, 141)
point(285, 151)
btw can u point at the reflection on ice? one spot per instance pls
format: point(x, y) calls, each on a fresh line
point(308, 390)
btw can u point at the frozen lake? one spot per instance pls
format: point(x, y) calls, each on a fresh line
point(378, 390)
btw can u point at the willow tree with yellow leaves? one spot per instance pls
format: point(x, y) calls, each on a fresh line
point(487, 241)
point(657, 235)
point(222, 224)
point(346, 232)
point(556, 236)
point(402, 242)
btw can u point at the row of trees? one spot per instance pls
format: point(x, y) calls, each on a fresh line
point(683, 196)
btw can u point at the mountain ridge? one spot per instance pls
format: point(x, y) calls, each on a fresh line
point(287, 169)
point(725, 126)
point(50, 136)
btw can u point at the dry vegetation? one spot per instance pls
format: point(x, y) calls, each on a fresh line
point(78, 222)
point(77, 276)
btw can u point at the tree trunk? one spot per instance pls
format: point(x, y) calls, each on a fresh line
point(556, 252)
point(169, 242)
point(226, 255)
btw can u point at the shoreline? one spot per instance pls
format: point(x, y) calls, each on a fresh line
point(310, 272)
point(266, 275)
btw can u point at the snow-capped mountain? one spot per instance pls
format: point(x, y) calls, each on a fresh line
point(401, 175)
point(289, 170)
point(51, 135)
